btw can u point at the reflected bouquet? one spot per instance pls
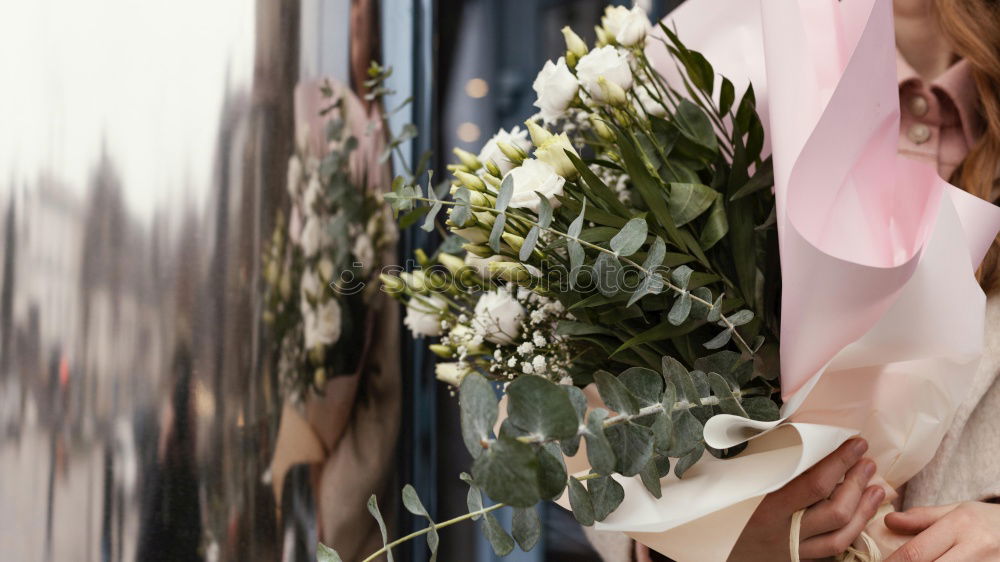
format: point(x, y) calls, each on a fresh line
point(625, 240)
point(327, 246)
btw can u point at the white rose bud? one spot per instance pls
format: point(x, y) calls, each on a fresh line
point(647, 104)
point(482, 265)
point(467, 159)
point(553, 152)
point(451, 373)
point(498, 317)
point(612, 93)
point(535, 175)
point(627, 27)
point(605, 62)
point(556, 88)
point(473, 234)
point(322, 324)
point(424, 318)
point(574, 43)
point(506, 150)
point(294, 175)
point(313, 236)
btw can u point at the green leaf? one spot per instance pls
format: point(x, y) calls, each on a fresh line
point(606, 270)
point(762, 178)
point(651, 478)
point(576, 254)
point(662, 424)
point(544, 211)
point(541, 408)
point(607, 495)
point(462, 211)
point(695, 125)
point(741, 317)
point(478, 405)
point(662, 331)
point(499, 539)
point(615, 394)
point(680, 310)
point(631, 237)
point(413, 504)
point(326, 554)
point(474, 499)
point(681, 276)
point(727, 95)
point(598, 188)
point(505, 193)
point(551, 471)
point(761, 408)
point(700, 71)
point(746, 111)
point(573, 328)
point(650, 188)
point(580, 503)
point(599, 452)
point(411, 217)
point(526, 527)
point(497, 232)
point(687, 433)
point(645, 384)
point(570, 445)
point(689, 200)
point(689, 460)
point(728, 402)
point(529, 244)
point(373, 509)
point(632, 445)
point(700, 310)
point(656, 254)
point(431, 216)
point(716, 225)
point(650, 284)
point(721, 339)
point(508, 472)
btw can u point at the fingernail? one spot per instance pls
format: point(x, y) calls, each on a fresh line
point(877, 495)
point(869, 468)
point(860, 446)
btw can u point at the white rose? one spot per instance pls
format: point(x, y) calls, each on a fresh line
point(481, 265)
point(310, 286)
point(628, 27)
point(451, 373)
point(498, 317)
point(490, 151)
point(553, 152)
point(605, 62)
point(294, 175)
point(322, 324)
point(364, 252)
point(531, 176)
point(556, 88)
point(423, 318)
point(313, 191)
point(313, 236)
point(647, 104)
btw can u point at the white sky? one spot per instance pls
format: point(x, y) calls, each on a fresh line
point(146, 77)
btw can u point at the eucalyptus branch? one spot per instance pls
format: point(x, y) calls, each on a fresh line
point(678, 290)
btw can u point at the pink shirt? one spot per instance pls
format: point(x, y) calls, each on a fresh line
point(939, 121)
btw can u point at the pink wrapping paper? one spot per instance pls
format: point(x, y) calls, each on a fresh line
point(882, 318)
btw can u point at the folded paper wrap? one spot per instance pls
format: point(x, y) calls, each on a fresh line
point(882, 317)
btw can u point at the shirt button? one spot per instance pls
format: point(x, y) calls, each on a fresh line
point(918, 106)
point(919, 133)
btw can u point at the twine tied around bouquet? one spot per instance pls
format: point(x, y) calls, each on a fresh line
point(864, 548)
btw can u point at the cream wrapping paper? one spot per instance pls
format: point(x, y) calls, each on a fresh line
point(882, 318)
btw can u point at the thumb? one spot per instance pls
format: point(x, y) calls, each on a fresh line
point(915, 520)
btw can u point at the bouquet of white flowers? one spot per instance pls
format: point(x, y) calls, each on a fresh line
point(625, 238)
point(328, 247)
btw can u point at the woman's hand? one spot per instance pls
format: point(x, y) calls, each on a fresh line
point(953, 533)
point(838, 504)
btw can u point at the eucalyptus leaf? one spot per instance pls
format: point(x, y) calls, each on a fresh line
point(650, 284)
point(478, 405)
point(474, 499)
point(326, 554)
point(761, 408)
point(607, 494)
point(646, 385)
point(681, 276)
point(650, 478)
point(541, 408)
point(580, 503)
point(551, 471)
point(529, 244)
point(412, 503)
point(373, 510)
point(496, 535)
point(615, 394)
point(687, 433)
point(741, 317)
point(497, 232)
point(721, 339)
point(526, 527)
point(431, 216)
point(728, 402)
point(576, 396)
point(599, 452)
point(508, 472)
point(544, 211)
point(505, 193)
point(699, 297)
point(462, 211)
point(631, 237)
point(632, 445)
point(680, 310)
point(689, 460)
point(607, 269)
